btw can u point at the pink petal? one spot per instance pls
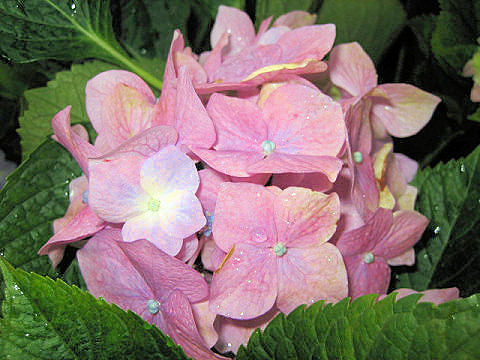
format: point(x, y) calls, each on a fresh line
point(410, 107)
point(436, 296)
point(182, 329)
point(365, 195)
point(307, 42)
point(238, 123)
point(272, 35)
point(264, 26)
point(303, 121)
point(207, 192)
point(236, 23)
point(230, 162)
point(168, 171)
point(214, 58)
point(55, 255)
point(352, 69)
point(115, 194)
point(305, 218)
point(212, 255)
point(146, 143)
point(363, 278)
point(191, 119)
point(407, 166)
point(164, 273)
point(295, 19)
point(196, 71)
point(279, 163)
point(407, 229)
point(189, 248)
point(407, 258)
point(111, 275)
point(244, 214)
point(204, 319)
point(313, 181)
point(79, 147)
point(233, 333)
point(246, 285)
point(365, 238)
point(310, 274)
point(119, 105)
point(84, 224)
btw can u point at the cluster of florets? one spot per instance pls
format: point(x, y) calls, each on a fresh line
point(300, 196)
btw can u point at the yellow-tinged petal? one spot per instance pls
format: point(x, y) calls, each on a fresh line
point(277, 67)
point(386, 200)
point(380, 163)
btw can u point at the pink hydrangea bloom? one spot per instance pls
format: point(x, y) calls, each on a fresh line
point(155, 197)
point(139, 277)
point(277, 250)
point(367, 250)
point(299, 129)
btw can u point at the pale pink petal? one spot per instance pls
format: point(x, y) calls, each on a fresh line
point(295, 19)
point(212, 255)
point(189, 248)
point(313, 181)
point(115, 194)
point(365, 195)
point(145, 226)
point(192, 122)
point(84, 224)
point(214, 58)
point(407, 258)
point(263, 27)
point(363, 278)
point(233, 333)
point(164, 273)
point(55, 255)
point(230, 162)
point(79, 147)
point(196, 71)
point(167, 171)
point(204, 319)
point(236, 23)
point(272, 35)
point(310, 274)
point(436, 296)
point(305, 218)
point(207, 192)
point(238, 123)
point(411, 108)
point(260, 179)
point(407, 229)
point(352, 69)
point(307, 42)
point(109, 273)
point(243, 213)
point(119, 104)
point(181, 327)
point(303, 121)
point(279, 163)
point(407, 166)
point(246, 285)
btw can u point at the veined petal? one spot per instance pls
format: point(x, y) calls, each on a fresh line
point(352, 69)
point(411, 108)
point(313, 181)
point(363, 278)
point(164, 273)
point(115, 194)
point(207, 192)
point(167, 171)
point(310, 274)
point(305, 218)
point(244, 214)
point(246, 285)
point(295, 19)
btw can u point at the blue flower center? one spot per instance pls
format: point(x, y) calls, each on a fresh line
point(279, 249)
point(153, 205)
point(368, 258)
point(357, 157)
point(268, 147)
point(153, 306)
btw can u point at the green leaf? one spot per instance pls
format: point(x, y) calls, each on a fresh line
point(68, 88)
point(366, 329)
point(372, 23)
point(455, 34)
point(275, 8)
point(212, 5)
point(46, 319)
point(475, 116)
point(35, 195)
point(449, 254)
point(32, 30)
point(423, 27)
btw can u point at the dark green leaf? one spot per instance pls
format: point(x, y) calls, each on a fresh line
point(212, 5)
point(449, 253)
point(456, 30)
point(66, 30)
point(475, 116)
point(423, 27)
point(275, 8)
point(372, 23)
point(68, 88)
point(366, 329)
point(46, 319)
point(35, 195)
